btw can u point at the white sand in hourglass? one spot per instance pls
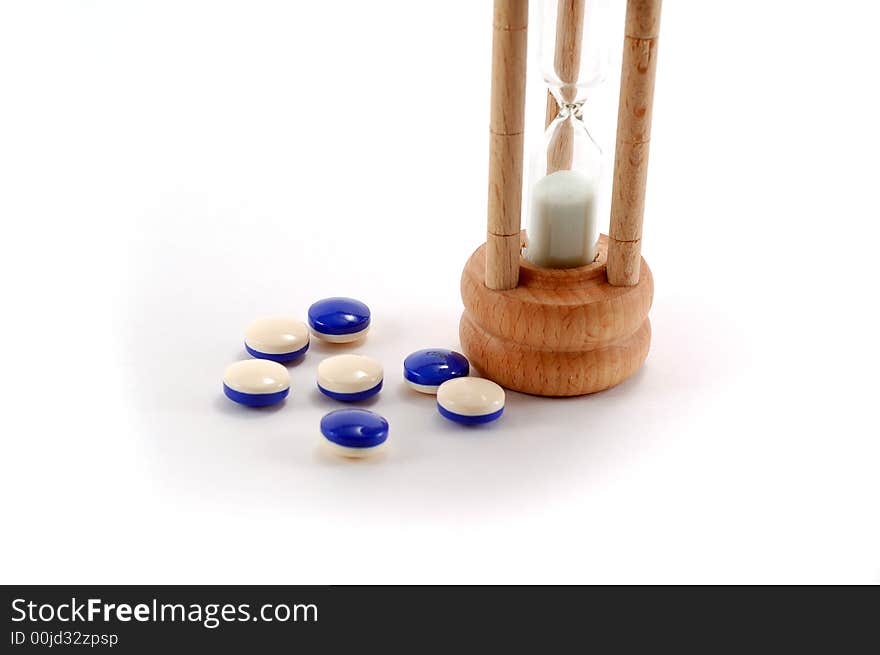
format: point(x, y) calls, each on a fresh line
point(563, 229)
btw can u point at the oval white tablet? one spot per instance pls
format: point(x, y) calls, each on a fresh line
point(256, 382)
point(470, 400)
point(350, 377)
point(279, 338)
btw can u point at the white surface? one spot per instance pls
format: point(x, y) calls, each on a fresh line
point(349, 373)
point(256, 376)
point(277, 335)
point(169, 170)
point(470, 396)
point(562, 224)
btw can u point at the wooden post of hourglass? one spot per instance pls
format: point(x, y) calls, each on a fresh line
point(507, 119)
point(633, 137)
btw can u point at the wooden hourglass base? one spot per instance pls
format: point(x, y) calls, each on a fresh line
point(561, 332)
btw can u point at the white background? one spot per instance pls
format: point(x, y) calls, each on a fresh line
point(170, 170)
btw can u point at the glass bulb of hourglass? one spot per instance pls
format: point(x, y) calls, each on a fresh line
point(563, 201)
point(573, 47)
point(562, 225)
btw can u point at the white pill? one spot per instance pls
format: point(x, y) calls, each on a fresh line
point(256, 382)
point(350, 377)
point(470, 400)
point(279, 338)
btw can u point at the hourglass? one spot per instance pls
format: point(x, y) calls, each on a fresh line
point(558, 310)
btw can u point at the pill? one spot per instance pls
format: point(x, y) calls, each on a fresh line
point(354, 432)
point(350, 377)
point(339, 320)
point(279, 338)
point(256, 382)
point(425, 370)
point(470, 400)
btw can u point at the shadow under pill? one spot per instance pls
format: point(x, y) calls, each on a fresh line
point(326, 457)
point(244, 354)
point(342, 404)
point(451, 427)
point(232, 408)
point(406, 391)
point(330, 348)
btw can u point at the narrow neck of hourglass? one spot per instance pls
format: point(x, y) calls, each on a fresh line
point(574, 109)
point(570, 110)
point(568, 95)
point(569, 128)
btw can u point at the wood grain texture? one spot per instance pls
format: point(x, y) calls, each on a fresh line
point(510, 15)
point(643, 19)
point(638, 71)
point(507, 110)
point(561, 332)
point(628, 201)
point(626, 254)
point(505, 183)
point(551, 111)
point(639, 68)
point(551, 373)
point(505, 251)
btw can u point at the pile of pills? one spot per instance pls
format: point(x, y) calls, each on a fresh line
point(277, 340)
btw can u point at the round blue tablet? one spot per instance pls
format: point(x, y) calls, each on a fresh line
point(339, 320)
point(425, 370)
point(354, 432)
point(470, 400)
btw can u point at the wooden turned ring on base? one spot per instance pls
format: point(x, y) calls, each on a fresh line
point(561, 332)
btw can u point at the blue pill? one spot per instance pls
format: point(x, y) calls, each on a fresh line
point(354, 432)
point(339, 320)
point(426, 370)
